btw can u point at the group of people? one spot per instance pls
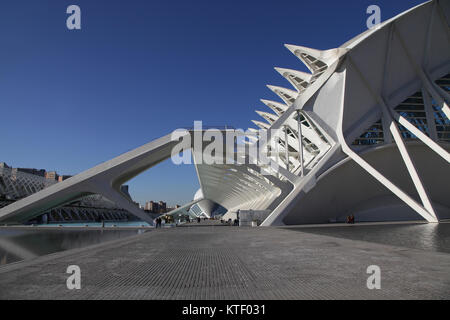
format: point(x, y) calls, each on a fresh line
point(230, 222)
point(158, 222)
point(351, 219)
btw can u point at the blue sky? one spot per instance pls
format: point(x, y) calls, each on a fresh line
point(139, 69)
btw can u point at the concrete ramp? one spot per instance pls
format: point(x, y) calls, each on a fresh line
point(105, 179)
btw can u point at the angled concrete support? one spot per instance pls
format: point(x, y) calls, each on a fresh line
point(425, 211)
point(105, 179)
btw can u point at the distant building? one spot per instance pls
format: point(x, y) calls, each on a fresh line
point(51, 175)
point(36, 172)
point(156, 207)
point(162, 207)
point(63, 177)
point(151, 206)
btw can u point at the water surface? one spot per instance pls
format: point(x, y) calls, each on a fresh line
point(431, 236)
point(22, 244)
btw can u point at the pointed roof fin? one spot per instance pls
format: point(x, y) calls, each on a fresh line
point(300, 80)
point(286, 95)
point(316, 60)
point(262, 125)
point(270, 117)
point(278, 107)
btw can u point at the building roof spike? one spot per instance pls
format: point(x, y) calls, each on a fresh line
point(300, 80)
point(316, 60)
point(287, 95)
point(278, 107)
point(270, 117)
point(262, 125)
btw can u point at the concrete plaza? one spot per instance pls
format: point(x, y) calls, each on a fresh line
point(213, 261)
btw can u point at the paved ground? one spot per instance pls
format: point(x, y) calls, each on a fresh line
point(221, 262)
point(424, 236)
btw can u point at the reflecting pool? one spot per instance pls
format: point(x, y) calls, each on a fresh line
point(431, 236)
point(22, 244)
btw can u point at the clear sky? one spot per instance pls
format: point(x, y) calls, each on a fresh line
point(70, 99)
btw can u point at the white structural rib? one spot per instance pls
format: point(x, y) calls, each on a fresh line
point(286, 95)
point(315, 60)
point(278, 107)
point(270, 117)
point(300, 80)
point(262, 125)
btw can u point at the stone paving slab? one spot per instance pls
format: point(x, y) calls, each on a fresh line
point(218, 262)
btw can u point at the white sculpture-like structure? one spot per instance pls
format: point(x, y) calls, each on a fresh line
point(366, 132)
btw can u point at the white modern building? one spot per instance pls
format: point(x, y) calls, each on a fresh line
point(365, 132)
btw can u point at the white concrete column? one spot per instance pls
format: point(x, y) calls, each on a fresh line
point(300, 143)
point(286, 147)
